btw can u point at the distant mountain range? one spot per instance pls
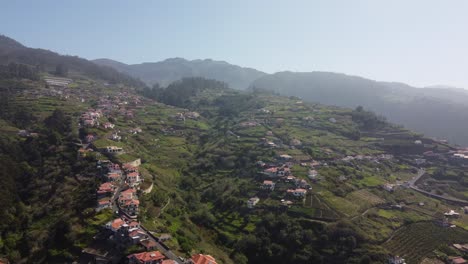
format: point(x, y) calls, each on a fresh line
point(170, 70)
point(437, 111)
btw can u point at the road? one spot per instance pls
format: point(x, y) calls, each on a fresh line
point(413, 180)
point(166, 252)
point(412, 185)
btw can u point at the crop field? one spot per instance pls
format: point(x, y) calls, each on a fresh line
point(364, 198)
point(415, 241)
point(322, 210)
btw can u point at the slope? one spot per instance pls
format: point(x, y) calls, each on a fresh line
point(433, 111)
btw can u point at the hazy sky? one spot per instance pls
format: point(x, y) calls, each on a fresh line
point(420, 42)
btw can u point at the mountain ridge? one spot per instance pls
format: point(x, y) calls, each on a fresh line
point(172, 69)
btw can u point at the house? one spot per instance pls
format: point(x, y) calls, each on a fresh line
point(133, 178)
point(108, 125)
point(332, 120)
point(115, 224)
point(303, 184)
point(113, 167)
point(151, 257)
point(396, 260)
point(168, 261)
point(457, 260)
point(290, 178)
point(103, 204)
point(23, 133)
point(268, 185)
point(419, 161)
point(298, 192)
point(418, 142)
point(452, 214)
point(285, 157)
point(252, 202)
point(130, 168)
point(113, 150)
point(277, 171)
point(388, 187)
point(192, 115)
point(136, 130)
point(106, 189)
point(88, 122)
point(115, 137)
point(112, 176)
point(136, 235)
point(148, 244)
point(90, 138)
point(461, 247)
point(312, 174)
point(202, 259)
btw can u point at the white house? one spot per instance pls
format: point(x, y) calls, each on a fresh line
point(252, 202)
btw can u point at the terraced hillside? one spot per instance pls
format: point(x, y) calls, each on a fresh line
point(418, 240)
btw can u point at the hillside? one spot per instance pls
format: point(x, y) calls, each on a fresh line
point(42, 60)
point(170, 70)
point(436, 112)
point(98, 171)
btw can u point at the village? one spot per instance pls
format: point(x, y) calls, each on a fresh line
point(119, 191)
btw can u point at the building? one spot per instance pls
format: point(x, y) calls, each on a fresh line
point(202, 259)
point(108, 125)
point(151, 257)
point(106, 189)
point(113, 150)
point(252, 202)
point(133, 179)
point(298, 192)
point(115, 224)
point(457, 260)
point(268, 185)
point(452, 214)
point(396, 260)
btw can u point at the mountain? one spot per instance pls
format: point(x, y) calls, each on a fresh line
point(435, 111)
point(12, 51)
point(170, 70)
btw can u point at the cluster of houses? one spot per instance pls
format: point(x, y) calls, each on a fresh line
point(126, 181)
point(376, 158)
point(90, 118)
point(281, 172)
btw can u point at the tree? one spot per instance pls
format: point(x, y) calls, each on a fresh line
point(61, 70)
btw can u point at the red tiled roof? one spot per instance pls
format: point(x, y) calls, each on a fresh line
point(117, 223)
point(147, 256)
point(133, 174)
point(458, 260)
point(203, 259)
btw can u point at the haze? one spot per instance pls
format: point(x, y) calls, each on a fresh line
point(417, 42)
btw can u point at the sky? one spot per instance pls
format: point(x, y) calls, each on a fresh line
point(419, 42)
